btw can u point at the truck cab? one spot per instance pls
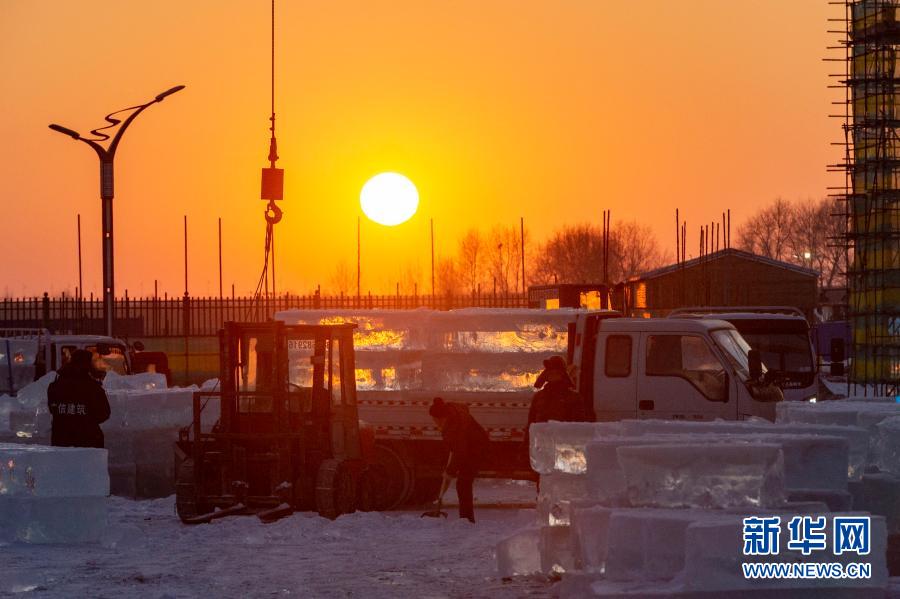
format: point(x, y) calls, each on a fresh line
point(680, 369)
point(781, 334)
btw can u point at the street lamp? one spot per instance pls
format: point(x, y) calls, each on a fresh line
point(107, 155)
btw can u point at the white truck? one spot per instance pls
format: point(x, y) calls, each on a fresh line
point(28, 354)
point(681, 369)
point(489, 359)
point(782, 336)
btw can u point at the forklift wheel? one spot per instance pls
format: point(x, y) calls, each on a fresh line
point(186, 503)
point(335, 489)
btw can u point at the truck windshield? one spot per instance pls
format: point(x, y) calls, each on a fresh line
point(736, 349)
point(785, 352)
point(783, 343)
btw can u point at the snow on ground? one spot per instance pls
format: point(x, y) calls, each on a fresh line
point(147, 552)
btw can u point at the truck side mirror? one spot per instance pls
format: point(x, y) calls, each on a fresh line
point(755, 364)
point(837, 357)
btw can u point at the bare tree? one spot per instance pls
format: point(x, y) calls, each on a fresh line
point(805, 233)
point(343, 279)
point(504, 252)
point(767, 233)
point(815, 240)
point(634, 249)
point(447, 279)
point(470, 258)
point(410, 276)
point(573, 254)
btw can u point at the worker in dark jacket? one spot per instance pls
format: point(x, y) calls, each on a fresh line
point(468, 444)
point(77, 404)
point(556, 398)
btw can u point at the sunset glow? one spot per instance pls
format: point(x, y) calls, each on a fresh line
point(494, 110)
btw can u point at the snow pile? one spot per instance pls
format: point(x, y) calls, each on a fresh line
point(148, 552)
point(646, 505)
point(52, 494)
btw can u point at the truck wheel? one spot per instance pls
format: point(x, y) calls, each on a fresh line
point(187, 503)
point(335, 489)
point(397, 477)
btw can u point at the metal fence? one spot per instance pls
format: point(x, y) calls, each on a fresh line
point(198, 316)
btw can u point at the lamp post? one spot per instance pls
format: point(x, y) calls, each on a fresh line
point(107, 189)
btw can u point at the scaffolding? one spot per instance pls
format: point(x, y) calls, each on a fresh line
point(870, 194)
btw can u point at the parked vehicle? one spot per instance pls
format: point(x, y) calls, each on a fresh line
point(682, 369)
point(288, 438)
point(489, 359)
point(28, 354)
point(486, 359)
point(782, 336)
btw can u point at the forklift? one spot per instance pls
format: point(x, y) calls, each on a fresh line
point(288, 437)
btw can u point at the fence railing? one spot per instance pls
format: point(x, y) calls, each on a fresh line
point(197, 316)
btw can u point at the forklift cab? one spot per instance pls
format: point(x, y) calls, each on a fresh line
point(290, 378)
point(288, 435)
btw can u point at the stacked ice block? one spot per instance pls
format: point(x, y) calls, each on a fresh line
point(52, 494)
point(141, 435)
point(875, 487)
point(628, 506)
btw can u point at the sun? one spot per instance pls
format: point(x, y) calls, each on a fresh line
point(389, 199)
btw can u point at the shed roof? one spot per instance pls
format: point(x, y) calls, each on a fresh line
point(740, 254)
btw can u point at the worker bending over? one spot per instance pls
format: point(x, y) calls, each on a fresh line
point(468, 444)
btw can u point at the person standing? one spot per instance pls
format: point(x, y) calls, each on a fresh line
point(468, 444)
point(77, 404)
point(556, 398)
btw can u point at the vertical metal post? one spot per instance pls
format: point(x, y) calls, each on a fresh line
point(220, 258)
point(186, 308)
point(432, 261)
point(185, 256)
point(358, 259)
point(522, 237)
point(80, 283)
point(107, 187)
point(677, 238)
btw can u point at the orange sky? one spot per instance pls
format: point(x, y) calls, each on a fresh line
point(495, 109)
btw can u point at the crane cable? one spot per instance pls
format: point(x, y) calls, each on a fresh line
point(273, 213)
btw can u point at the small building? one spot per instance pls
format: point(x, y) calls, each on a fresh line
point(593, 296)
point(729, 277)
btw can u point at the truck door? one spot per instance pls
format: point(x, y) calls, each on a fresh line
point(682, 378)
point(615, 376)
